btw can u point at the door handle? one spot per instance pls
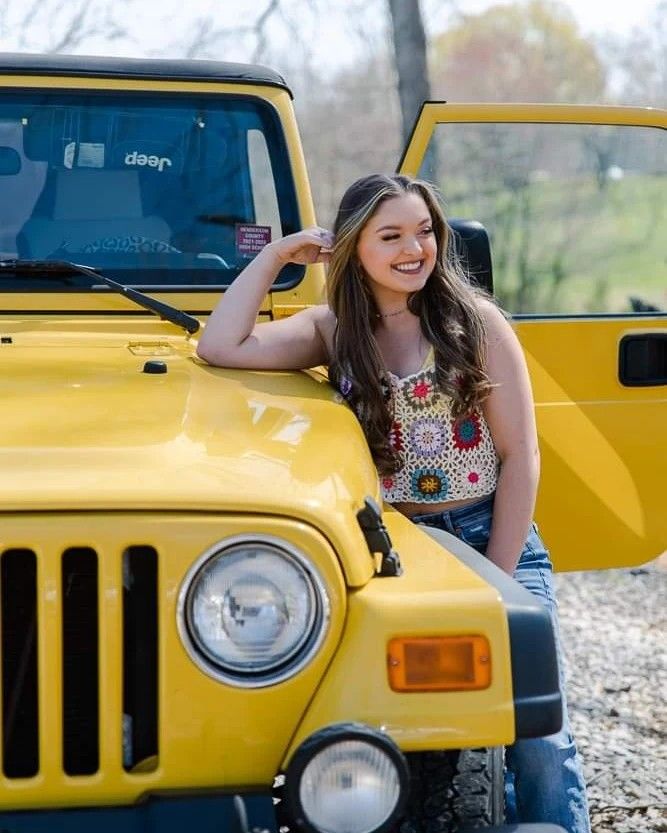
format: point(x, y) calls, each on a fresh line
point(642, 359)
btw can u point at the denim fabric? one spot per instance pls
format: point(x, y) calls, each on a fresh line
point(545, 781)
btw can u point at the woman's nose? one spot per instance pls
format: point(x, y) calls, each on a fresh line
point(412, 244)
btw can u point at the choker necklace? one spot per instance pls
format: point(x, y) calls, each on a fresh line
point(390, 314)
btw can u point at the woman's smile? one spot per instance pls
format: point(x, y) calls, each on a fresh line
point(411, 268)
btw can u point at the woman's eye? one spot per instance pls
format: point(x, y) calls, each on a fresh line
point(391, 237)
point(427, 230)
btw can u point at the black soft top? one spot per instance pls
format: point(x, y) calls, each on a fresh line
point(179, 69)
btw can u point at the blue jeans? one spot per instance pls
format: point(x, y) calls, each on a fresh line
point(545, 781)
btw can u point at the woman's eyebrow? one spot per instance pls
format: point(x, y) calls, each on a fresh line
point(394, 228)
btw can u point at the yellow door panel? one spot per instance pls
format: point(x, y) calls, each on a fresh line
point(573, 200)
point(604, 456)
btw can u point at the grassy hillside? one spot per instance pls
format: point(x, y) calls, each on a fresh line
point(575, 245)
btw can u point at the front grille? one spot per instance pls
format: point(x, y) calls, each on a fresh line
point(84, 635)
point(102, 705)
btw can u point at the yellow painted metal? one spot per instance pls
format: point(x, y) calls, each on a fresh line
point(210, 734)
point(604, 445)
point(437, 112)
point(110, 581)
point(309, 291)
point(436, 595)
point(49, 654)
point(85, 429)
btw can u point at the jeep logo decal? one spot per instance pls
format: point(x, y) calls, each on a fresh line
point(152, 161)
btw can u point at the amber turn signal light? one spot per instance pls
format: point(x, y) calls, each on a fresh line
point(439, 663)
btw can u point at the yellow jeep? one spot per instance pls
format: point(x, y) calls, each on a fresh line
point(206, 617)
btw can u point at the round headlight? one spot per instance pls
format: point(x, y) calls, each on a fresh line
point(254, 611)
point(347, 778)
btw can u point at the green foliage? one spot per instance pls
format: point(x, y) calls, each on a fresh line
point(574, 247)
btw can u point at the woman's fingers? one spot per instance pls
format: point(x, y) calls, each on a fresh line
point(305, 246)
point(326, 237)
point(317, 236)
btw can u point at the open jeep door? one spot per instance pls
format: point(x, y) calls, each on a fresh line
point(574, 200)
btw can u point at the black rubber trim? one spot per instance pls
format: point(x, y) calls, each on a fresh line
point(584, 316)
point(200, 811)
point(163, 69)
point(156, 288)
point(538, 708)
point(518, 828)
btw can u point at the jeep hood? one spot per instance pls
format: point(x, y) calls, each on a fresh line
point(84, 428)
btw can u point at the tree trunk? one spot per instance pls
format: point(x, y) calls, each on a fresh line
point(409, 41)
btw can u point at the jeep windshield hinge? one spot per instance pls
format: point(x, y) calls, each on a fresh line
point(378, 540)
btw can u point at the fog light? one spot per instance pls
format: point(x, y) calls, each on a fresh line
point(347, 778)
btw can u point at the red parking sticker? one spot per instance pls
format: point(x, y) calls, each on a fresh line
point(250, 239)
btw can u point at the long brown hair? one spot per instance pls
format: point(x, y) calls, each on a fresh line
point(448, 313)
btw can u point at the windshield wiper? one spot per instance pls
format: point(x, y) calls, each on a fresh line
point(52, 268)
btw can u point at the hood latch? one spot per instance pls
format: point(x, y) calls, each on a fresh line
point(378, 540)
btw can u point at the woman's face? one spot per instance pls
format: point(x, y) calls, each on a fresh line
point(397, 247)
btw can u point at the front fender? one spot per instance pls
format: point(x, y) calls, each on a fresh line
point(446, 588)
point(536, 690)
point(436, 595)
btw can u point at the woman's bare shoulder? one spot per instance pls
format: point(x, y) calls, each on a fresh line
point(325, 321)
point(495, 320)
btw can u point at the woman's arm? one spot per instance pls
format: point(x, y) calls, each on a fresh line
point(232, 338)
point(509, 412)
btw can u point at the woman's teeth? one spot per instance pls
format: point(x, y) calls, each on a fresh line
point(409, 267)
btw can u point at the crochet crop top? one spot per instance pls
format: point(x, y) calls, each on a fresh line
point(443, 458)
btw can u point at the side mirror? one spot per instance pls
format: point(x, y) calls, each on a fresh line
point(10, 161)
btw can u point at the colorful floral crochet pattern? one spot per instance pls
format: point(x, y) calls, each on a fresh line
point(444, 459)
point(467, 432)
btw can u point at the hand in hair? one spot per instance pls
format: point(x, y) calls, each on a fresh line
point(312, 245)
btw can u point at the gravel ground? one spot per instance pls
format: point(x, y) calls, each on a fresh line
point(613, 632)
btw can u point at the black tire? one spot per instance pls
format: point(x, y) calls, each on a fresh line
point(455, 790)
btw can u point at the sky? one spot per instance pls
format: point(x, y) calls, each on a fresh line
point(595, 17)
point(158, 27)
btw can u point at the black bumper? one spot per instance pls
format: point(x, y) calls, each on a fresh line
point(519, 828)
point(198, 814)
point(536, 691)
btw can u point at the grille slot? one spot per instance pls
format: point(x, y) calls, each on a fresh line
point(140, 658)
point(18, 596)
point(81, 749)
point(79, 652)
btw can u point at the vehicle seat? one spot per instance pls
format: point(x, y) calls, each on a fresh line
point(87, 207)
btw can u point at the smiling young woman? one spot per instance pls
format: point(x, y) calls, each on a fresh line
point(439, 383)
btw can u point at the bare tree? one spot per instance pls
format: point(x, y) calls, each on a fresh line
point(258, 38)
point(409, 41)
point(59, 25)
point(638, 62)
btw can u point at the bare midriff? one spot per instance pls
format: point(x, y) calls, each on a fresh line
point(411, 509)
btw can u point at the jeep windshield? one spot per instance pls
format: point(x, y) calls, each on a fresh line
point(160, 191)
